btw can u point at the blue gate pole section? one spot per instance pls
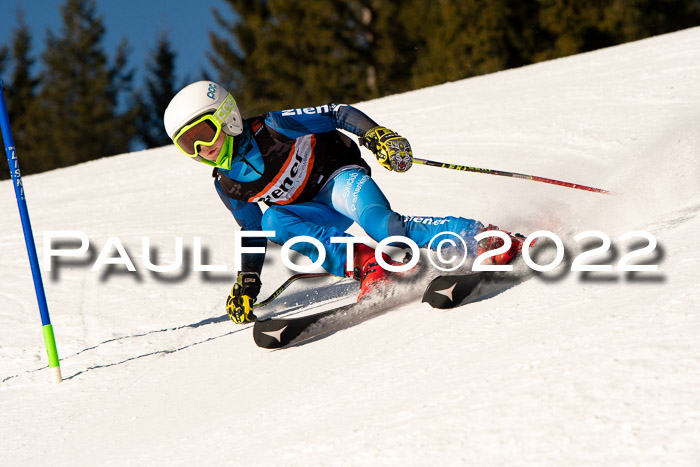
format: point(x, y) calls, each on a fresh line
point(49, 339)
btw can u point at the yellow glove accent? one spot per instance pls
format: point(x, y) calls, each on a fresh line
point(240, 309)
point(392, 150)
point(239, 305)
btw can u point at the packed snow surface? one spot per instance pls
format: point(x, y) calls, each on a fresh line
point(567, 368)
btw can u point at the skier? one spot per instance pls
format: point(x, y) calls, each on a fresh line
point(313, 180)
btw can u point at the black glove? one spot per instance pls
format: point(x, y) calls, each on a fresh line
point(391, 150)
point(239, 305)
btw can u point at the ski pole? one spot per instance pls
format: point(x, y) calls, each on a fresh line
point(286, 284)
point(49, 339)
point(465, 168)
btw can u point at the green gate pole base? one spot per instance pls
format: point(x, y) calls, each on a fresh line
point(50, 342)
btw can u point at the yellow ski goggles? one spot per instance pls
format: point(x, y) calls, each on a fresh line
point(201, 132)
point(204, 130)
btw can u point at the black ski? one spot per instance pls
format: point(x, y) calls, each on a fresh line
point(443, 292)
point(451, 291)
point(274, 333)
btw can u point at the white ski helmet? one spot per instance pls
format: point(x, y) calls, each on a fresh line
point(200, 98)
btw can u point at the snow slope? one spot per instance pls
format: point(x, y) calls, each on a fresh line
point(570, 368)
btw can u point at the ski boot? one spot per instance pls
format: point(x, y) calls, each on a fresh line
point(491, 243)
point(368, 271)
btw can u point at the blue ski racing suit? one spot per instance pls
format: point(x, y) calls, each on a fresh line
point(315, 184)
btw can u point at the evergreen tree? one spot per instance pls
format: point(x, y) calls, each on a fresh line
point(629, 20)
point(77, 116)
point(120, 91)
point(576, 26)
point(4, 55)
point(309, 60)
point(459, 39)
point(22, 97)
point(159, 89)
point(573, 27)
point(383, 35)
point(20, 94)
point(281, 54)
point(233, 55)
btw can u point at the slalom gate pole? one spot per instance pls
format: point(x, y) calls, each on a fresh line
point(49, 339)
point(465, 168)
point(287, 283)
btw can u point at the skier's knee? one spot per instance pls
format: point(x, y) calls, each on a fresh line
point(396, 224)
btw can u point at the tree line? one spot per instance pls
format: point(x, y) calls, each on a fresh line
point(82, 104)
